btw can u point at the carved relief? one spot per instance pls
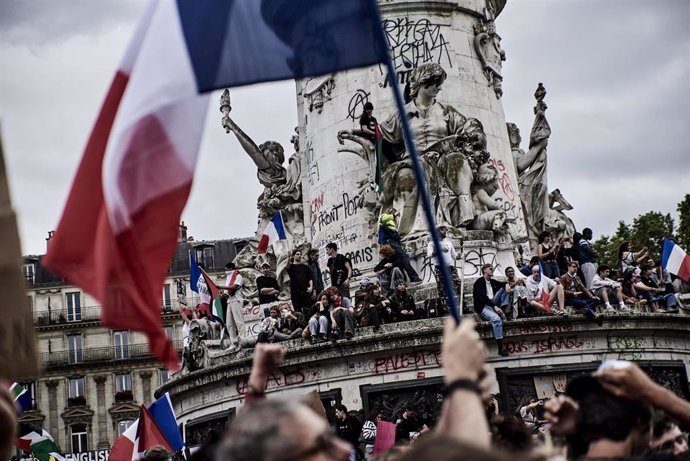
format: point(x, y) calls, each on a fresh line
point(487, 45)
point(317, 92)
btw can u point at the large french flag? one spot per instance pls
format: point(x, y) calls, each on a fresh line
point(275, 230)
point(119, 227)
point(675, 260)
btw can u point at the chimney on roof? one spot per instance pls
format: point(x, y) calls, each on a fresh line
point(182, 233)
point(50, 236)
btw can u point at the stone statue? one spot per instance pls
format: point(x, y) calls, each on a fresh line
point(282, 190)
point(194, 352)
point(531, 168)
point(451, 148)
point(489, 215)
point(557, 222)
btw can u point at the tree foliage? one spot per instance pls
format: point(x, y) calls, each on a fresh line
point(683, 231)
point(647, 230)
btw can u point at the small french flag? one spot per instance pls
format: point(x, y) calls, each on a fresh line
point(275, 230)
point(675, 260)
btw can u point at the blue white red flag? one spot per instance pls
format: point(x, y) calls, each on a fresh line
point(275, 230)
point(164, 415)
point(675, 260)
point(119, 227)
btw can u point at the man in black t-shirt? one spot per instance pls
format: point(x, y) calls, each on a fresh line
point(301, 284)
point(340, 268)
point(267, 285)
point(367, 122)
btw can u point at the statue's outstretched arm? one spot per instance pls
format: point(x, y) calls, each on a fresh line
point(528, 158)
point(247, 144)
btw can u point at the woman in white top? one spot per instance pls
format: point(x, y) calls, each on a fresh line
point(628, 259)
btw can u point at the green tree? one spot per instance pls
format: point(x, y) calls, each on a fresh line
point(649, 230)
point(683, 231)
point(607, 247)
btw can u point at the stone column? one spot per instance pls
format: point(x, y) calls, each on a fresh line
point(146, 386)
point(52, 385)
point(102, 417)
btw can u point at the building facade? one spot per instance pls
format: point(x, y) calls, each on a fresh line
point(93, 380)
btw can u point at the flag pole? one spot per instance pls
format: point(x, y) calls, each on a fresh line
point(421, 186)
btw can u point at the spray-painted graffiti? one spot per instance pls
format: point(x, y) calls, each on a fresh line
point(553, 343)
point(363, 255)
point(355, 108)
point(347, 208)
point(414, 43)
point(315, 205)
point(475, 259)
point(396, 362)
point(503, 179)
point(283, 378)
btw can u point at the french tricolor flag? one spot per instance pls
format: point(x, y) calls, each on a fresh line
point(118, 231)
point(675, 260)
point(275, 230)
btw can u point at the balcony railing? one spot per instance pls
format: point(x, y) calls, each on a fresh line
point(78, 401)
point(88, 314)
point(98, 355)
point(124, 396)
point(60, 316)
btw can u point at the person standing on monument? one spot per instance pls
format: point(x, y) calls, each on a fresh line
point(487, 294)
point(315, 269)
point(588, 257)
point(448, 257)
point(301, 285)
point(234, 318)
point(340, 268)
point(267, 285)
point(368, 123)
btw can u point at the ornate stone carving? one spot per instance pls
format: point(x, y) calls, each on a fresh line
point(124, 411)
point(282, 192)
point(489, 214)
point(556, 221)
point(531, 168)
point(452, 148)
point(77, 415)
point(317, 91)
point(194, 353)
point(146, 385)
point(487, 45)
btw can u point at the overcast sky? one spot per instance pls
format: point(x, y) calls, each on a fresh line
point(617, 74)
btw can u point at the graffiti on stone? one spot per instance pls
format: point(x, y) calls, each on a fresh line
point(396, 362)
point(413, 43)
point(355, 108)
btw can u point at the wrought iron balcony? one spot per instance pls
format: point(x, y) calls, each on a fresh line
point(92, 355)
point(61, 316)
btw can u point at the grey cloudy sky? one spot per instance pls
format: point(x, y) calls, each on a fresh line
point(617, 74)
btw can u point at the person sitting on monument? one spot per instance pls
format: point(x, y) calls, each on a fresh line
point(527, 269)
point(515, 296)
point(342, 314)
point(667, 302)
point(362, 314)
point(291, 319)
point(388, 270)
point(402, 304)
point(608, 289)
point(376, 307)
point(320, 319)
point(487, 293)
point(273, 327)
point(578, 296)
point(542, 292)
point(388, 234)
point(368, 123)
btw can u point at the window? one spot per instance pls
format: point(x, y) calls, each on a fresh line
point(30, 387)
point(204, 256)
point(121, 341)
point(29, 271)
point(123, 382)
point(73, 306)
point(165, 376)
point(122, 426)
point(167, 304)
point(76, 387)
point(79, 438)
point(75, 352)
point(169, 332)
